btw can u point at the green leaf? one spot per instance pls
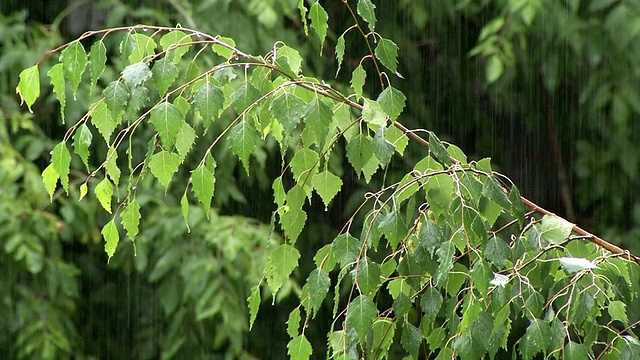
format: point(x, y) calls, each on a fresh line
point(517, 210)
point(116, 95)
point(387, 53)
point(359, 151)
point(392, 102)
point(430, 236)
point(366, 10)
point(431, 302)
point(222, 50)
point(175, 44)
point(57, 80)
point(346, 248)
point(208, 101)
point(278, 191)
point(164, 74)
point(340, 52)
point(185, 140)
point(288, 109)
point(495, 68)
point(575, 351)
point(243, 138)
point(130, 218)
point(327, 185)
point(167, 120)
point(316, 289)
point(254, 305)
point(289, 60)
point(50, 178)
point(102, 120)
point(284, 259)
point(140, 46)
point(319, 19)
point(293, 322)
point(494, 192)
point(383, 330)
point(29, 86)
point(163, 165)
point(618, 311)
point(318, 117)
point(368, 277)
point(184, 206)
point(411, 339)
point(98, 61)
point(555, 229)
point(536, 339)
point(438, 150)
point(372, 113)
point(293, 222)
point(61, 160)
point(74, 61)
point(299, 348)
point(112, 167)
point(382, 148)
point(104, 193)
point(397, 137)
point(81, 141)
point(136, 74)
point(303, 16)
point(394, 228)
point(304, 164)
point(245, 96)
point(497, 252)
point(357, 80)
point(111, 237)
point(204, 182)
point(360, 315)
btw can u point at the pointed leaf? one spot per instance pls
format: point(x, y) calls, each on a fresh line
point(411, 339)
point(50, 178)
point(368, 277)
point(243, 138)
point(288, 109)
point(359, 151)
point(394, 228)
point(136, 74)
point(357, 80)
point(29, 86)
point(74, 61)
point(304, 163)
point(299, 348)
point(81, 141)
point(438, 150)
point(293, 322)
point(284, 260)
point(164, 74)
point(430, 236)
point(316, 289)
point(130, 218)
point(398, 138)
point(495, 68)
point(167, 120)
point(318, 117)
point(387, 53)
point(326, 185)
point(222, 50)
point(102, 120)
point(245, 96)
point(57, 80)
point(494, 192)
point(431, 302)
point(340, 52)
point(98, 61)
point(382, 148)
point(536, 339)
point(163, 165)
point(254, 304)
point(360, 315)
point(372, 113)
point(392, 102)
point(61, 160)
point(204, 182)
point(112, 167)
point(141, 47)
point(303, 16)
point(104, 193)
point(208, 101)
point(555, 229)
point(185, 139)
point(293, 222)
point(116, 95)
point(184, 206)
point(346, 248)
point(289, 60)
point(319, 19)
point(111, 237)
point(174, 43)
point(366, 10)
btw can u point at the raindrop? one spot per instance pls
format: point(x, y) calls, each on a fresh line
point(31, 111)
point(325, 209)
point(246, 66)
point(145, 29)
point(133, 188)
point(375, 40)
point(399, 75)
point(199, 35)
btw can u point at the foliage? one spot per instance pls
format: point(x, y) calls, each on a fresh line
point(424, 266)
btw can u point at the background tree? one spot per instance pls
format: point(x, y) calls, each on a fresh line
point(475, 96)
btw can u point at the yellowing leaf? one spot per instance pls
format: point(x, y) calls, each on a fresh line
point(130, 218)
point(50, 178)
point(29, 86)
